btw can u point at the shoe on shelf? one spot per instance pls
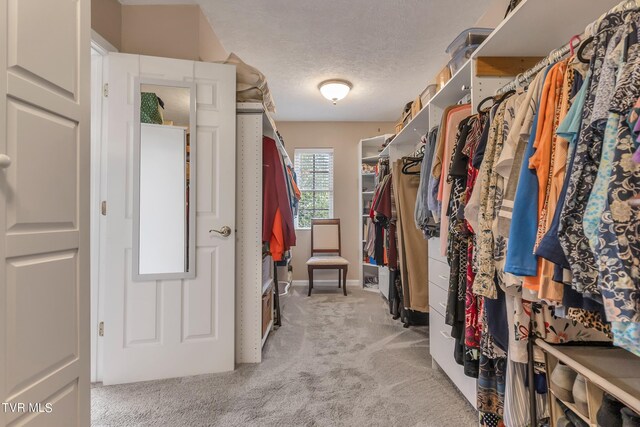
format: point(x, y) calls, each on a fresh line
point(572, 416)
point(609, 413)
point(564, 422)
point(629, 418)
point(580, 395)
point(562, 380)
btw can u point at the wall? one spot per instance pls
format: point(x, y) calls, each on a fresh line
point(343, 137)
point(106, 20)
point(170, 31)
point(210, 48)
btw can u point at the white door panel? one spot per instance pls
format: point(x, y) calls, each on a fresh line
point(170, 328)
point(44, 211)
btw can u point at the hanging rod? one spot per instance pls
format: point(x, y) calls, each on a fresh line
point(558, 54)
point(554, 56)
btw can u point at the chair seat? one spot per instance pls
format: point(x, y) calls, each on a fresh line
point(327, 260)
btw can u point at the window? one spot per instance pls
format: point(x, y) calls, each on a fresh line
point(314, 170)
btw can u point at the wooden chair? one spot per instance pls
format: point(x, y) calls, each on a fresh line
point(325, 240)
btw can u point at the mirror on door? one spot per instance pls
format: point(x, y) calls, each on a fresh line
point(164, 180)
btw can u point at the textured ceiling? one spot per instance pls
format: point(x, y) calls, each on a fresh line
point(389, 49)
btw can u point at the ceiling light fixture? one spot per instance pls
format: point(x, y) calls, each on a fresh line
point(335, 90)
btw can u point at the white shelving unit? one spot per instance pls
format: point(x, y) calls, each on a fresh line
point(254, 276)
point(367, 182)
point(534, 28)
point(611, 370)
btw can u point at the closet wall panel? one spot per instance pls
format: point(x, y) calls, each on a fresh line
point(44, 209)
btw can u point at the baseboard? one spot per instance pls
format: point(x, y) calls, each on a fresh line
point(355, 282)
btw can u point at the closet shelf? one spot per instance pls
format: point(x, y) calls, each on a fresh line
point(573, 408)
point(535, 27)
point(450, 94)
point(511, 38)
point(610, 368)
point(371, 159)
point(266, 334)
point(453, 91)
point(367, 264)
point(411, 133)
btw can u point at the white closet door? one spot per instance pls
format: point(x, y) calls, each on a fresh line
point(171, 328)
point(44, 212)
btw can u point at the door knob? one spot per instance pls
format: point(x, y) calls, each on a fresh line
point(224, 231)
point(5, 161)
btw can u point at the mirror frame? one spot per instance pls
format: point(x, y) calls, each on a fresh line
point(191, 219)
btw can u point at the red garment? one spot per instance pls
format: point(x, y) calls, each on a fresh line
point(385, 208)
point(275, 198)
point(276, 244)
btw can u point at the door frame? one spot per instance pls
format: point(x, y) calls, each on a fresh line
point(98, 193)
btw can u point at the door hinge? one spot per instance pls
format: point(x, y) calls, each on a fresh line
point(103, 208)
point(101, 329)
point(105, 90)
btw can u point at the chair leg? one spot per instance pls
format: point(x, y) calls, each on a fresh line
point(344, 281)
point(339, 277)
point(310, 280)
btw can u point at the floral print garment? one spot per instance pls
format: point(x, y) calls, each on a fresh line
point(485, 262)
point(491, 378)
point(457, 237)
point(552, 329)
point(583, 174)
point(619, 236)
point(627, 91)
point(502, 180)
point(618, 243)
point(627, 336)
point(472, 303)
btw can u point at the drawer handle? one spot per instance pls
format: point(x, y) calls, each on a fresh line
point(446, 335)
point(442, 305)
point(443, 277)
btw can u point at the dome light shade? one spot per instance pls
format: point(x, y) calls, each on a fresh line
point(335, 90)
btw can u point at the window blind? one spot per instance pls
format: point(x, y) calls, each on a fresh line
point(314, 170)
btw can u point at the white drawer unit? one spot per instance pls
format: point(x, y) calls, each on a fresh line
point(434, 250)
point(439, 273)
point(383, 281)
point(437, 298)
point(441, 347)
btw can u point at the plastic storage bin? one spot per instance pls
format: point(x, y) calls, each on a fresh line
point(461, 57)
point(428, 93)
point(469, 37)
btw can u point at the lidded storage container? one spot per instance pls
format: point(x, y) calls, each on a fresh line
point(469, 37)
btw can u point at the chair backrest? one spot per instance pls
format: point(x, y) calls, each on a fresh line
point(325, 236)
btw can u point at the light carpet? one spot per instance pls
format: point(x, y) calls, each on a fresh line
point(336, 361)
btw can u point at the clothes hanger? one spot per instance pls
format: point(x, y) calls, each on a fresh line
point(571, 47)
point(505, 95)
point(409, 162)
point(488, 98)
point(520, 88)
point(581, 50)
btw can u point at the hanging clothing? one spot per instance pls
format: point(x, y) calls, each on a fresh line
point(453, 120)
point(520, 259)
point(423, 215)
point(412, 246)
point(582, 177)
point(277, 218)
